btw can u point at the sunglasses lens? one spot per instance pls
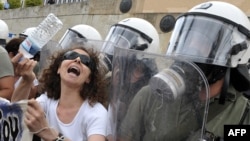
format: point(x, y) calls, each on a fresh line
point(85, 60)
point(71, 55)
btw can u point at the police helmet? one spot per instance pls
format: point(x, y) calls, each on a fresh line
point(79, 34)
point(214, 32)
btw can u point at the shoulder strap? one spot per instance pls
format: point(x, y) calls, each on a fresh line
point(219, 108)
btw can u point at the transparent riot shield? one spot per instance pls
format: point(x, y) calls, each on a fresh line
point(47, 50)
point(156, 98)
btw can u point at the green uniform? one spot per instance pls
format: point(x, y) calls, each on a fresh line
point(150, 118)
point(6, 67)
point(229, 113)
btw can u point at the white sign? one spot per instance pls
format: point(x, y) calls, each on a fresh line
point(12, 126)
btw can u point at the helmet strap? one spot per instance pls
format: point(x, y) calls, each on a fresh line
point(141, 47)
point(225, 87)
point(217, 73)
point(3, 42)
point(240, 78)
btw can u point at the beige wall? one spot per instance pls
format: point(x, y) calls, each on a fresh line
point(101, 14)
point(162, 6)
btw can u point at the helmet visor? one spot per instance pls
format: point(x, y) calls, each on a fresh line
point(72, 38)
point(125, 37)
point(21, 35)
point(203, 40)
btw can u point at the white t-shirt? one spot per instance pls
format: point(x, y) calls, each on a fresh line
point(88, 121)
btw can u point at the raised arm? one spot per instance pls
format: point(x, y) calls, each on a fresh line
point(23, 68)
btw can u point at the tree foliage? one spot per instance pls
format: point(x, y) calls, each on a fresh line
point(30, 3)
point(14, 4)
point(1, 6)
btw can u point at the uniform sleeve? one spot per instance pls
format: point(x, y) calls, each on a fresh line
point(133, 121)
point(6, 67)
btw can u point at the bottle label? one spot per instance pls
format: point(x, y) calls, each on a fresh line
point(30, 46)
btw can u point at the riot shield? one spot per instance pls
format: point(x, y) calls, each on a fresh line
point(46, 51)
point(155, 98)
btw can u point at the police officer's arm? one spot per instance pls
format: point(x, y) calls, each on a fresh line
point(6, 86)
point(131, 126)
point(6, 76)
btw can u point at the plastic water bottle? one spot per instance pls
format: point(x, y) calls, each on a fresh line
point(40, 36)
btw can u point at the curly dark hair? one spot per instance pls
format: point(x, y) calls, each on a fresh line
point(95, 91)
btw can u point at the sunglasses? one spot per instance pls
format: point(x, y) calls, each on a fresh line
point(71, 55)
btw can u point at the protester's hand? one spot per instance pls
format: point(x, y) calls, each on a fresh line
point(35, 118)
point(15, 60)
point(24, 67)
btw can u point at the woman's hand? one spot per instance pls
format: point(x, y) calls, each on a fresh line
point(35, 118)
point(24, 67)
